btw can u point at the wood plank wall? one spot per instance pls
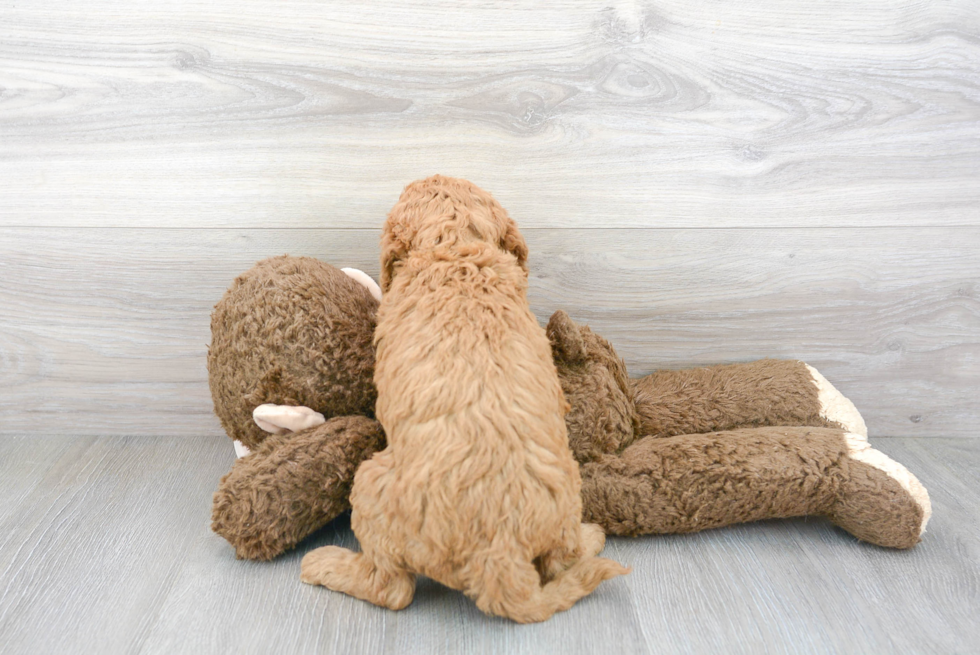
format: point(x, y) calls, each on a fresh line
point(701, 182)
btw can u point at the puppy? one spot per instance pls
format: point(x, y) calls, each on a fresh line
point(477, 488)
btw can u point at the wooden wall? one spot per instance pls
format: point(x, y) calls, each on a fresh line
point(701, 182)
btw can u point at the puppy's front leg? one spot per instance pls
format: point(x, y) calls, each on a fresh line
point(358, 575)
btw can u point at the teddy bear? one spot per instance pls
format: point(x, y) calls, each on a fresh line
point(290, 369)
point(682, 451)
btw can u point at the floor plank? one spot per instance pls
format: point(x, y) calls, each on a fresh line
point(105, 331)
point(90, 555)
point(581, 113)
point(113, 554)
point(23, 464)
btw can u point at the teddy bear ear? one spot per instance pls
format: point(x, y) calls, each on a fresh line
point(567, 344)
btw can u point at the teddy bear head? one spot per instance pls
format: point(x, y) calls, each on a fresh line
point(603, 417)
point(292, 331)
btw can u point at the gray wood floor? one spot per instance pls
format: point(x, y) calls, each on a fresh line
point(105, 548)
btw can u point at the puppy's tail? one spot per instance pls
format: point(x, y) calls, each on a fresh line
point(513, 589)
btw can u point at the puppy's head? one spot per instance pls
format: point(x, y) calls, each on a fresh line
point(450, 214)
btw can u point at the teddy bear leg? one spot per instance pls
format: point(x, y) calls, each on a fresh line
point(881, 501)
point(693, 482)
point(733, 396)
point(363, 576)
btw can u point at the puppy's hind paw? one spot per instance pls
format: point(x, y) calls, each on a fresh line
point(353, 573)
point(593, 540)
point(322, 564)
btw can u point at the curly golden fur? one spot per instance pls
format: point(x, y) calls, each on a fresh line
point(477, 488)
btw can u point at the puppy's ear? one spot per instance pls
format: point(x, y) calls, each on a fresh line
point(567, 344)
point(394, 248)
point(513, 242)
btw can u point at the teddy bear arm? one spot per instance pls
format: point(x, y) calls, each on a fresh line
point(767, 392)
point(291, 485)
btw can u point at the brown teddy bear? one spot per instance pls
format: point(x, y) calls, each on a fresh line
point(675, 451)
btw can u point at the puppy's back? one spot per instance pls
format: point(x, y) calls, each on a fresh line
point(481, 483)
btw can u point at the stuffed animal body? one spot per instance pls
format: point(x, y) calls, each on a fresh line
point(812, 457)
point(674, 451)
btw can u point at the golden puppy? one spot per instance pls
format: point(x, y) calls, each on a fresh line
point(477, 488)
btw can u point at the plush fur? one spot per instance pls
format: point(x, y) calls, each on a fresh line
point(669, 482)
point(477, 487)
point(275, 339)
point(292, 484)
point(717, 398)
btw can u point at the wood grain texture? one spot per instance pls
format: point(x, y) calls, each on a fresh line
point(112, 553)
point(105, 331)
point(575, 113)
point(89, 556)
